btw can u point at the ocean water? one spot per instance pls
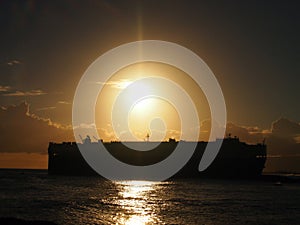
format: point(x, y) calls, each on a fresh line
point(33, 195)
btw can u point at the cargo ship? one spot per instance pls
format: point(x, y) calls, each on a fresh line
point(235, 159)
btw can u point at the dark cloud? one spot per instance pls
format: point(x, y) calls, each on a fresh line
point(285, 128)
point(283, 147)
point(25, 93)
point(4, 88)
point(247, 134)
point(22, 131)
point(281, 139)
point(12, 92)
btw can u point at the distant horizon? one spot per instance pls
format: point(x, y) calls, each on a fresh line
point(264, 172)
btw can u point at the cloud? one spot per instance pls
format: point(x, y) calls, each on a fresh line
point(282, 139)
point(9, 91)
point(107, 134)
point(282, 142)
point(4, 88)
point(37, 92)
point(120, 84)
point(86, 126)
point(246, 134)
point(46, 108)
point(285, 128)
point(64, 102)
point(13, 62)
point(22, 131)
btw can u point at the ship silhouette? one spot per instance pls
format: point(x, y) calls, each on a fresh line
point(235, 159)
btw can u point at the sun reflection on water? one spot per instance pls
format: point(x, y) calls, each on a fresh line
point(134, 199)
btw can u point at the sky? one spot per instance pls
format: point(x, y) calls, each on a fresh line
point(252, 47)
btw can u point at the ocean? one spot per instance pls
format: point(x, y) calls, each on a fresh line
point(34, 195)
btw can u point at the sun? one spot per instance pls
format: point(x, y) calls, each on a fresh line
point(153, 116)
point(147, 115)
point(144, 106)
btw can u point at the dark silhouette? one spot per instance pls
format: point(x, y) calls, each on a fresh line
point(235, 159)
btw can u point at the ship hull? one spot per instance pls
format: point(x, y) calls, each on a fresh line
point(234, 160)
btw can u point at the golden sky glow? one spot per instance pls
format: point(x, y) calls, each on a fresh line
point(152, 115)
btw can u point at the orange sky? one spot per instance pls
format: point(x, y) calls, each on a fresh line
point(24, 160)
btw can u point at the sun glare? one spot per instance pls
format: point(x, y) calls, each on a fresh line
point(147, 115)
point(154, 116)
point(144, 106)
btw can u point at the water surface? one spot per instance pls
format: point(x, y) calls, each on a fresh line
point(32, 194)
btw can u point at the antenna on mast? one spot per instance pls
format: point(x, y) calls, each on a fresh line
point(147, 137)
